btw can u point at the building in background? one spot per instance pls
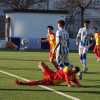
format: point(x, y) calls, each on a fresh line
point(45, 13)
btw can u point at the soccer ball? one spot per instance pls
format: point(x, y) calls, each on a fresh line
point(24, 43)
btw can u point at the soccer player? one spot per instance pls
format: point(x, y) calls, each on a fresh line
point(53, 78)
point(61, 48)
point(51, 39)
point(97, 45)
point(83, 41)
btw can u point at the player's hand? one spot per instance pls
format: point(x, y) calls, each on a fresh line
point(77, 43)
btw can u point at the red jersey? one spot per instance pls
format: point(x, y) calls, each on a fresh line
point(52, 44)
point(97, 38)
point(52, 40)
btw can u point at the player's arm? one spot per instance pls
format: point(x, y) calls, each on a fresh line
point(78, 37)
point(67, 80)
point(44, 40)
point(67, 76)
point(67, 39)
point(58, 44)
point(58, 36)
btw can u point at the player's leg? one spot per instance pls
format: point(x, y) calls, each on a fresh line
point(66, 56)
point(85, 68)
point(34, 82)
point(59, 58)
point(81, 54)
point(55, 64)
point(44, 68)
point(41, 66)
point(99, 52)
point(52, 58)
point(96, 52)
point(48, 74)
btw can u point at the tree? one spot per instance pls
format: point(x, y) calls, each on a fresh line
point(22, 4)
point(83, 5)
point(73, 6)
point(76, 9)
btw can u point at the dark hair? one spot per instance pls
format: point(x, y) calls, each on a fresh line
point(96, 29)
point(51, 27)
point(87, 21)
point(77, 69)
point(61, 22)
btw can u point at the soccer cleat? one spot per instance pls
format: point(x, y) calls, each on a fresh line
point(80, 75)
point(85, 70)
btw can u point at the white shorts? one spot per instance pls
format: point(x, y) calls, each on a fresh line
point(82, 49)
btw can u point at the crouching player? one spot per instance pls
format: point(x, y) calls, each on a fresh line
point(69, 76)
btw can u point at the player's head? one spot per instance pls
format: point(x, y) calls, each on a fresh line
point(50, 28)
point(61, 23)
point(86, 23)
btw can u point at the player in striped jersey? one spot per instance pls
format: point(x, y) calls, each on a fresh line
point(83, 41)
point(61, 49)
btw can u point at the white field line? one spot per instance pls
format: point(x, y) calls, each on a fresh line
point(44, 87)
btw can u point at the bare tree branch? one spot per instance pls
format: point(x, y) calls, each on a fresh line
point(22, 4)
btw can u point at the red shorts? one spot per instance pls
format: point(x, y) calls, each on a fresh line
point(48, 73)
point(97, 50)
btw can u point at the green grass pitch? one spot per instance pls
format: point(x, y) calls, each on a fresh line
point(24, 64)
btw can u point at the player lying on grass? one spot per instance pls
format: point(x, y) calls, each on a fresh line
point(67, 75)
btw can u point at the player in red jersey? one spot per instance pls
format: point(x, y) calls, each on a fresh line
point(52, 43)
point(69, 76)
point(97, 46)
point(51, 39)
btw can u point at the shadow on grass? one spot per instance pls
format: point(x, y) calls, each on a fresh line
point(17, 59)
point(83, 91)
point(93, 80)
point(91, 86)
point(84, 86)
point(92, 73)
point(39, 90)
point(43, 90)
point(26, 69)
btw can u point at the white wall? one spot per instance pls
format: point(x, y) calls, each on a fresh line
point(32, 26)
point(28, 25)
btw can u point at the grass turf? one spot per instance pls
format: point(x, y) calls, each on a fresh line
point(25, 64)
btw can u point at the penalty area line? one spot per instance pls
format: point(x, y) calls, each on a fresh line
point(42, 86)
